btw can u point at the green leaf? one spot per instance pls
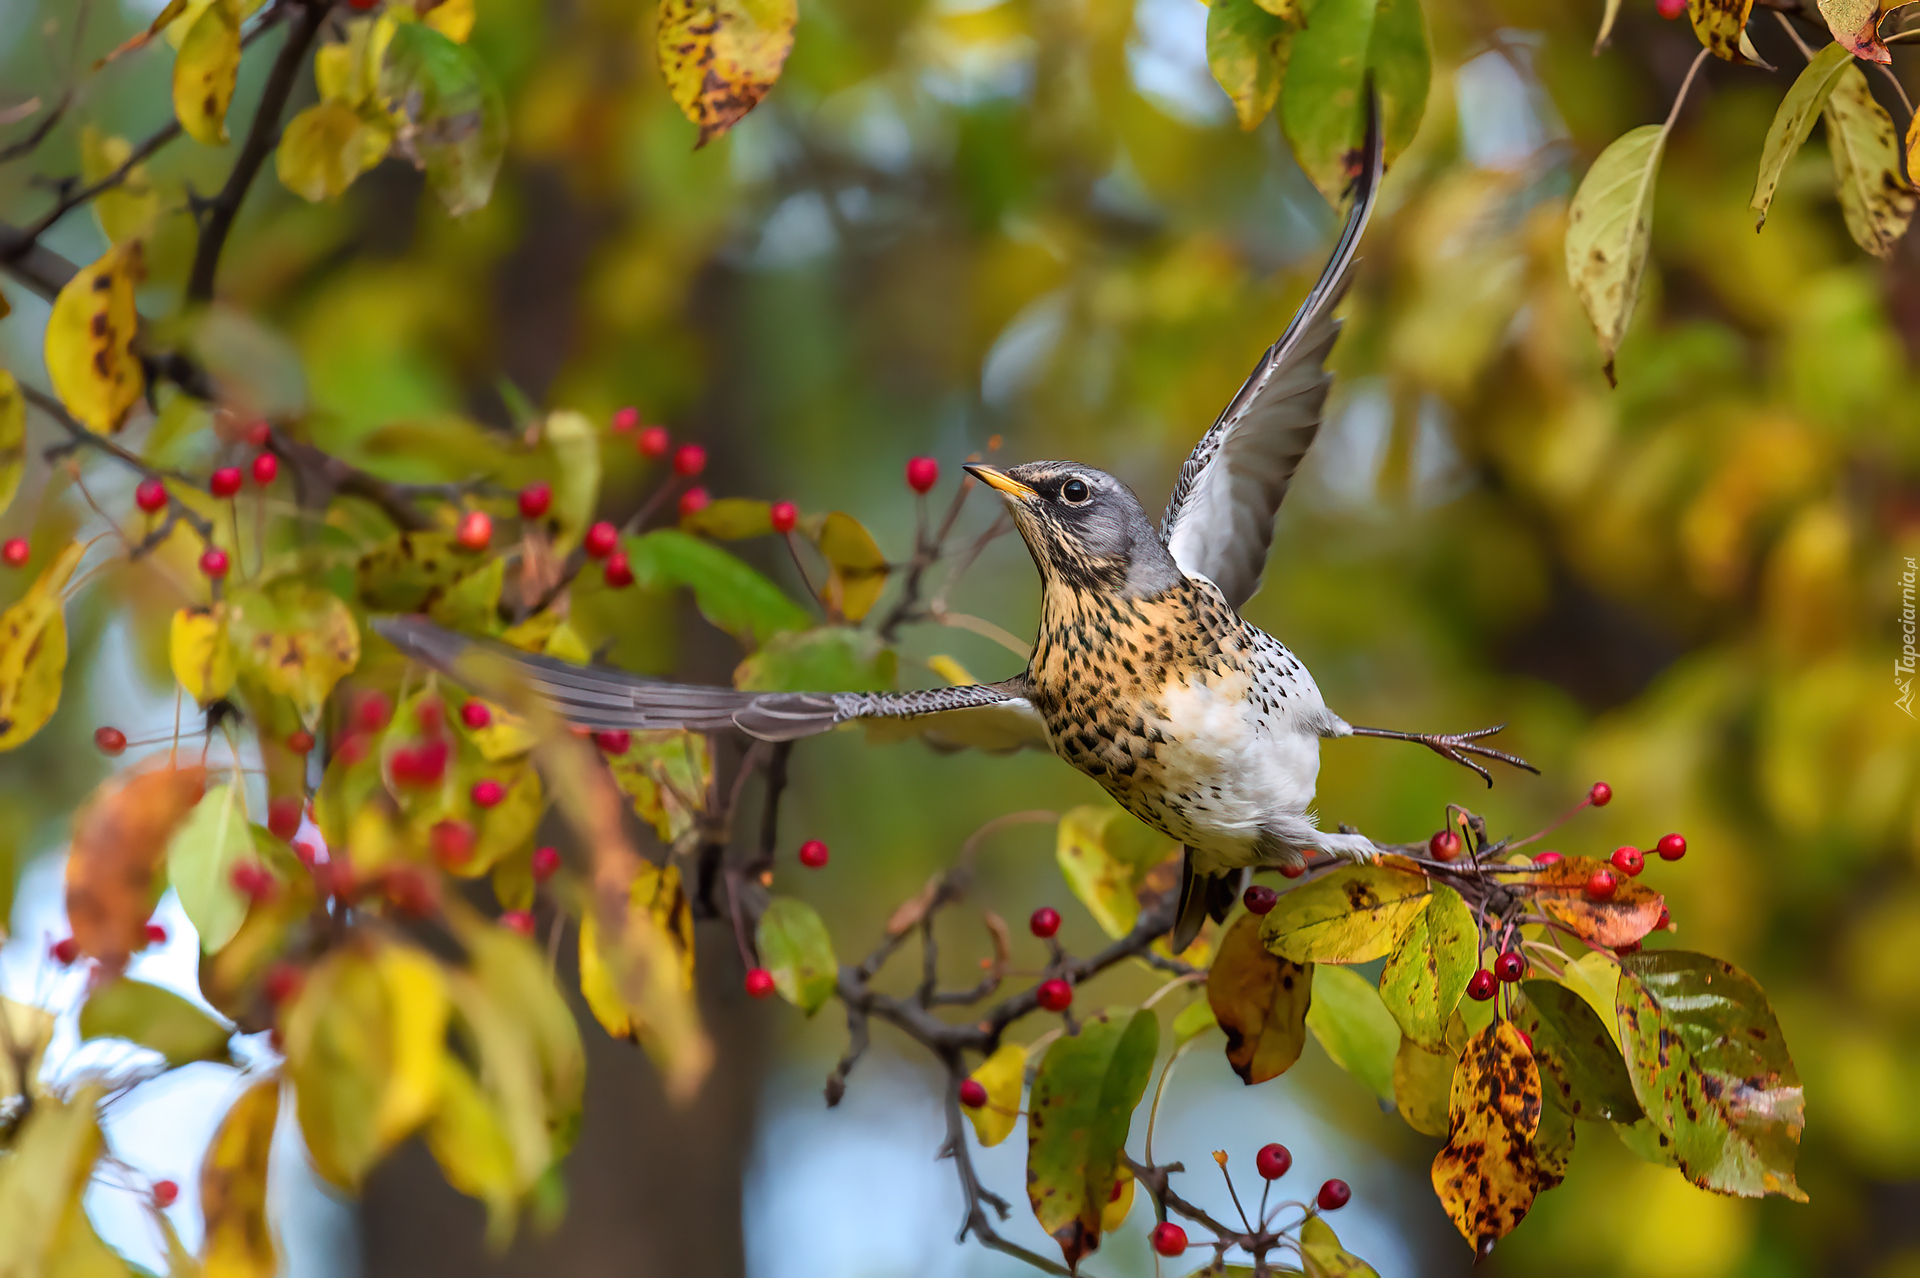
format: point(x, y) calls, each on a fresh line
point(728, 593)
point(1793, 122)
point(1102, 865)
point(1353, 915)
point(1423, 1080)
point(830, 659)
point(1564, 1024)
point(1609, 226)
point(1354, 1027)
point(575, 445)
point(1711, 1069)
point(1324, 109)
point(1424, 978)
point(794, 945)
point(1195, 1019)
point(326, 147)
point(1247, 53)
point(453, 119)
point(1324, 1257)
point(155, 1018)
point(1875, 197)
point(1260, 1000)
point(472, 603)
point(1077, 1118)
point(200, 860)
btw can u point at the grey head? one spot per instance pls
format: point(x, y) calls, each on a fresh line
point(1084, 528)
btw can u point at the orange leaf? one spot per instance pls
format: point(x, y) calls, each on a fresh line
point(118, 840)
point(1621, 919)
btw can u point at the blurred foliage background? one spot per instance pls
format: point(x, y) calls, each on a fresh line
point(1038, 220)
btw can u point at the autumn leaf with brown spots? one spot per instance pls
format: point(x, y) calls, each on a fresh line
point(720, 57)
point(1487, 1175)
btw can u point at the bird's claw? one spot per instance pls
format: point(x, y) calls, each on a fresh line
point(1457, 746)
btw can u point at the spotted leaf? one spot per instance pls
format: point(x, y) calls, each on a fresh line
point(1623, 918)
point(233, 1187)
point(1564, 1024)
point(1487, 1176)
point(1876, 199)
point(1353, 915)
point(1247, 53)
point(201, 653)
point(89, 342)
point(720, 57)
point(1260, 1000)
point(1856, 26)
point(1793, 122)
point(33, 651)
point(1325, 1257)
point(205, 70)
point(1427, 973)
point(1719, 24)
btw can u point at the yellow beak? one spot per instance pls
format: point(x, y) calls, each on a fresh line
point(999, 479)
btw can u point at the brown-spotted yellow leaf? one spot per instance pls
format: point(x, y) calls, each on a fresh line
point(89, 342)
point(1356, 913)
point(795, 946)
point(469, 1141)
point(128, 210)
point(1323, 1256)
point(205, 71)
point(1719, 24)
point(1078, 1115)
point(858, 571)
point(720, 57)
point(1427, 973)
point(13, 436)
point(1793, 122)
point(297, 639)
point(657, 900)
point(407, 572)
point(233, 1187)
point(1711, 1069)
point(1260, 1000)
point(667, 775)
point(1624, 918)
point(1856, 26)
point(1487, 1176)
point(1114, 1214)
point(327, 146)
point(201, 653)
point(1609, 226)
point(1876, 198)
point(114, 861)
point(1003, 1074)
point(33, 651)
point(1103, 881)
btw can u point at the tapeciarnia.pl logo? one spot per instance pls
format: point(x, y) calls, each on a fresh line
point(1903, 665)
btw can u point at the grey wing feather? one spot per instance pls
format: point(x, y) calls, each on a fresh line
point(599, 697)
point(1219, 521)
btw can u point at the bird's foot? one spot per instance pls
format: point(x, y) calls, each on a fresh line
point(1349, 846)
point(1457, 746)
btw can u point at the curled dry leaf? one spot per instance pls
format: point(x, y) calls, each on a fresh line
point(112, 869)
point(1260, 1000)
point(1624, 918)
point(1719, 24)
point(1856, 26)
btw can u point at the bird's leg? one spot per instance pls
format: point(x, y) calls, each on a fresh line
point(1456, 746)
point(1285, 838)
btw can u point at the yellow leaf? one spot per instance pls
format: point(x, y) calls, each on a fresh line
point(452, 19)
point(731, 519)
point(1103, 882)
point(858, 569)
point(720, 57)
point(467, 1140)
point(1487, 1176)
point(657, 901)
point(1876, 199)
point(1354, 915)
point(297, 639)
point(205, 70)
point(13, 436)
point(89, 344)
point(1423, 1080)
point(202, 657)
point(667, 773)
point(233, 1187)
point(1719, 24)
point(50, 1160)
point(326, 147)
point(1114, 1214)
point(1004, 1075)
point(33, 652)
point(1260, 1000)
point(129, 210)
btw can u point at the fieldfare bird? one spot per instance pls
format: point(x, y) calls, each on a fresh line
point(1143, 676)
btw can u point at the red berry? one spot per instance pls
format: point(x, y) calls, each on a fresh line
point(410, 891)
point(476, 530)
point(653, 442)
point(363, 5)
point(535, 500)
point(1259, 899)
point(922, 473)
point(156, 935)
point(1601, 794)
point(1273, 1161)
point(476, 715)
point(600, 540)
point(1601, 884)
point(1665, 920)
point(300, 742)
point(689, 460)
point(1510, 966)
point(783, 515)
point(372, 711)
point(693, 501)
point(813, 854)
point(488, 793)
point(619, 571)
point(1525, 1038)
point(1670, 9)
point(613, 740)
point(759, 982)
point(150, 496)
point(453, 842)
point(626, 419)
point(283, 816)
point(431, 715)
point(1629, 861)
point(109, 741)
point(1444, 845)
point(309, 854)
point(1671, 847)
point(973, 1093)
point(1480, 986)
point(517, 921)
point(164, 1192)
point(546, 863)
point(1334, 1195)
point(258, 433)
point(14, 551)
point(1293, 871)
point(420, 763)
point(353, 748)
point(214, 562)
point(1055, 995)
point(1168, 1238)
point(224, 482)
point(1548, 858)
point(65, 951)
point(1044, 922)
point(282, 982)
point(266, 467)
point(252, 880)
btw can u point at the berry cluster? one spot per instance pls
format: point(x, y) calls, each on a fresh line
point(1272, 1162)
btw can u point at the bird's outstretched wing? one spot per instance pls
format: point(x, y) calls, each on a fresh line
point(602, 697)
point(1219, 521)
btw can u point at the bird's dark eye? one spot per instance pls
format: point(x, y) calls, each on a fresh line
point(1075, 491)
